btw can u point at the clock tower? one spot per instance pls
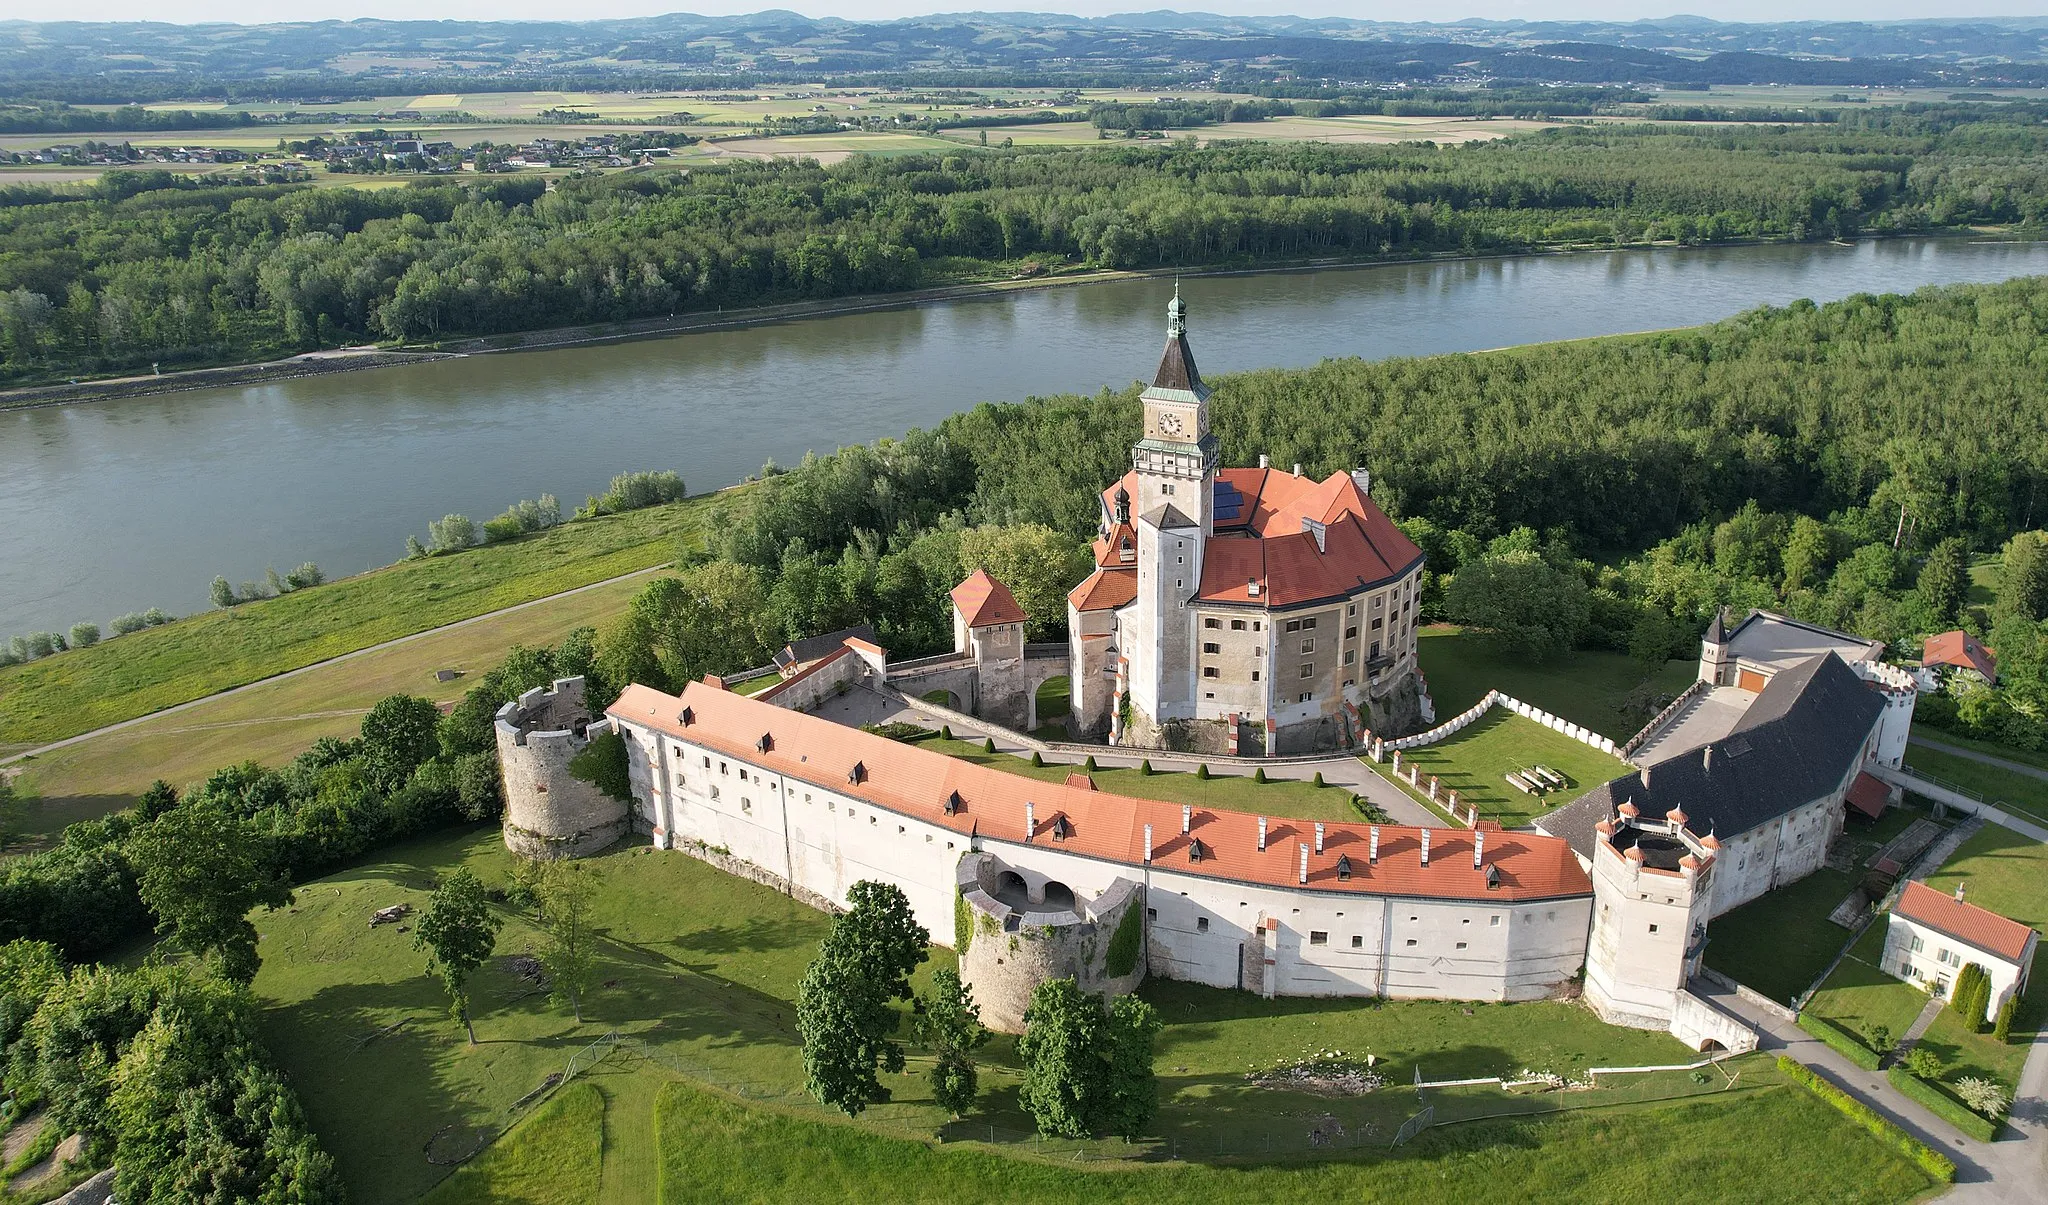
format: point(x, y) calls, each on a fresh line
point(1176, 458)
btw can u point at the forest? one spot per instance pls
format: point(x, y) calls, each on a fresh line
point(144, 268)
point(1846, 463)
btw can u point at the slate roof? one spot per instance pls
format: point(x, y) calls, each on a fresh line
point(1803, 734)
point(986, 602)
point(810, 648)
point(1966, 922)
point(912, 781)
point(1177, 367)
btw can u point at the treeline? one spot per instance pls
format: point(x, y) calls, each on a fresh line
point(147, 268)
point(55, 117)
point(1612, 492)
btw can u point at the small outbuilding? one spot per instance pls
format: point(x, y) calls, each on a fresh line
point(1933, 936)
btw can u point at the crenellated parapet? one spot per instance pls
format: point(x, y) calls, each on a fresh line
point(1024, 928)
point(549, 812)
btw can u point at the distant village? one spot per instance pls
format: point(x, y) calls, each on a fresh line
point(375, 151)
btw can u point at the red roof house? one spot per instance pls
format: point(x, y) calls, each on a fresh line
point(1959, 650)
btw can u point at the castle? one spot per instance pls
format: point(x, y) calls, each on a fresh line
point(1239, 610)
point(1246, 611)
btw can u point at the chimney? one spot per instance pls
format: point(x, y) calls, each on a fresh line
point(1187, 817)
point(1646, 778)
point(1265, 461)
point(1262, 834)
point(1706, 759)
point(1251, 587)
point(1959, 893)
point(1478, 848)
point(1425, 847)
point(1297, 468)
point(1319, 836)
point(1373, 848)
point(1362, 478)
point(1148, 843)
point(1304, 863)
point(1030, 820)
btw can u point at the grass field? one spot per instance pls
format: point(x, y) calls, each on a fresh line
point(701, 968)
point(556, 1161)
point(1476, 760)
point(1293, 799)
point(2019, 793)
point(2006, 873)
point(275, 721)
point(1587, 688)
point(204, 654)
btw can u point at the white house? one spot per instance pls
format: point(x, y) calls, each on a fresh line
point(1933, 936)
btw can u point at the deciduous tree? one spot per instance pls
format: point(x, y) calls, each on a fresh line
point(949, 1023)
point(201, 869)
point(844, 1012)
point(458, 931)
point(567, 889)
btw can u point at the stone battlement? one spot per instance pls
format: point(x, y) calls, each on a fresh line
point(549, 812)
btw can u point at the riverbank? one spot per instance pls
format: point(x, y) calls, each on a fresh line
point(350, 359)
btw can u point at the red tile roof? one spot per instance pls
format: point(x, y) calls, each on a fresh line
point(1967, 923)
point(916, 782)
point(1962, 650)
point(986, 602)
point(1269, 544)
point(1105, 590)
point(1869, 795)
point(1118, 549)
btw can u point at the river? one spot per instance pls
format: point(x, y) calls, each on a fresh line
point(122, 505)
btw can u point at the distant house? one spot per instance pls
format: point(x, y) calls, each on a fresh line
point(799, 655)
point(1959, 651)
point(1933, 936)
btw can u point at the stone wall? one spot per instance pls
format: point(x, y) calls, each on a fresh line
point(550, 813)
point(1014, 949)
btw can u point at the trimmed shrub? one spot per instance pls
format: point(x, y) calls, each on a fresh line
point(1145, 767)
point(1089, 765)
point(1839, 1040)
point(2002, 1028)
point(1971, 996)
point(1037, 762)
point(946, 731)
point(1319, 779)
point(1202, 771)
point(1931, 1161)
point(1943, 1105)
point(988, 745)
point(1259, 776)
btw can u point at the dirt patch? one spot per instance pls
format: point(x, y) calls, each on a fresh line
point(1321, 1077)
point(67, 1150)
point(20, 1136)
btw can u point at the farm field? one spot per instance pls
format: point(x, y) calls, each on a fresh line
point(700, 969)
point(1476, 761)
point(1589, 688)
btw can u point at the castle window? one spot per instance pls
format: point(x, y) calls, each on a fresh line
point(1378, 623)
point(1357, 942)
point(1150, 913)
point(1653, 928)
point(1316, 937)
point(1166, 489)
point(722, 769)
point(1918, 944)
point(1351, 609)
point(1308, 669)
point(1259, 651)
point(1350, 656)
point(1308, 646)
point(1306, 696)
point(1293, 625)
point(1213, 622)
point(1209, 671)
point(714, 790)
point(1201, 924)
point(1237, 625)
point(1308, 625)
point(1211, 647)
point(746, 805)
point(1461, 945)
point(707, 763)
point(1411, 941)
point(1255, 675)
point(1494, 921)
point(1208, 694)
point(1351, 632)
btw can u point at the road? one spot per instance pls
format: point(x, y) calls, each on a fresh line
point(82, 737)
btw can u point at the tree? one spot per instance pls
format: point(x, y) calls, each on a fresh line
point(2023, 576)
point(843, 1002)
point(1986, 1097)
point(451, 533)
point(1132, 1099)
point(949, 1023)
point(1809, 550)
point(1944, 579)
point(1038, 564)
point(222, 592)
point(12, 809)
point(1525, 602)
point(458, 931)
point(1970, 995)
point(158, 798)
point(569, 951)
point(200, 870)
point(2001, 1029)
point(399, 734)
point(1064, 1037)
point(84, 635)
point(1925, 1064)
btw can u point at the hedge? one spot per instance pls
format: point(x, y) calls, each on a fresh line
point(1972, 1123)
point(1840, 1040)
point(1931, 1161)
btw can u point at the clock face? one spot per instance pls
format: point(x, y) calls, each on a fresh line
point(1170, 424)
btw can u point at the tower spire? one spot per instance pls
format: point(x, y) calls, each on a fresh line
point(1176, 313)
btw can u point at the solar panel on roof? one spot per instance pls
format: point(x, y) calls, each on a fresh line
point(1228, 502)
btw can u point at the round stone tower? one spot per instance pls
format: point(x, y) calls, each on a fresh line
point(550, 813)
point(1026, 929)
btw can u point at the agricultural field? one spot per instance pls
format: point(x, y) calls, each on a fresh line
point(699, 972)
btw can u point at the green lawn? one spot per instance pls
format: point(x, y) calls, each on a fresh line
point(1780, 942)
point(1055, 702)
point(1587, 687)
point(1475, 762)
point(702, 968)
point(2023, 756)
point(755, 685)
point(1859, 994)
point(716, 1149)
point(204, 654)
point(2018, 793)
point(1293, 799)
point(555, 1161)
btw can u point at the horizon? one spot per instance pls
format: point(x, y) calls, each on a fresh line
point(1748, 12)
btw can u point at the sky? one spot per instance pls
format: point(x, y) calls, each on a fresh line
point(1410, 10)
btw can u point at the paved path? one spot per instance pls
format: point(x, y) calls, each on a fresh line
point(858, 707)
point(307, 669)
point(1940, 746)
point(1968, 805)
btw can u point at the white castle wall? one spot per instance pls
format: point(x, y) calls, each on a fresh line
point(817, 841)
point(1472, 714)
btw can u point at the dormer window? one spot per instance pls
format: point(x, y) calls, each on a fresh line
point(1343, 868)
point(688, 717)
point(766, 744)
point(1061, 830)
point(859, 773)
point(1492, 876)
point(1196, 850)
point(953, 803)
